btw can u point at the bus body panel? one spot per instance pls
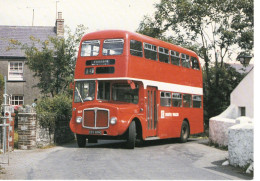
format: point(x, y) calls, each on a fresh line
point(148, 75)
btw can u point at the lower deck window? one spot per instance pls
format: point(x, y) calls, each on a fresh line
point(176, 100)
point(104, 90)
point(186, 100)
point(165, 99)
point(124, 93)
point(197, 101)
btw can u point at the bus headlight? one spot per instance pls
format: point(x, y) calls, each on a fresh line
point(113, 120)
point(79, 119)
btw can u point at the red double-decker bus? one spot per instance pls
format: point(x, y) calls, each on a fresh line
point(134, 87)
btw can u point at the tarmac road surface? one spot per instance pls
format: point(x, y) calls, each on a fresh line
point(156, 160)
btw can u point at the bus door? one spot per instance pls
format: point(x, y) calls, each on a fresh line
point(151, 112)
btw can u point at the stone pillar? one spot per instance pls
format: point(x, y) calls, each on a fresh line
point(241, 144)
point(11, 132)
point(26, 131)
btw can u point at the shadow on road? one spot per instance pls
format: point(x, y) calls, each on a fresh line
point(236, 172)
point(121, 144)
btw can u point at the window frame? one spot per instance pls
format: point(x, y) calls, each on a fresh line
point(165, 97)
point(196, 100)
point(89, 42)
point(138, 51)
point(18, 100)
point(192, 63)
point(116, 40)
point(151, 49)
point(173, 54)
point(181, 105)
point(163, 52)
point(184, 58)
point(190, 100)
point(19, 72)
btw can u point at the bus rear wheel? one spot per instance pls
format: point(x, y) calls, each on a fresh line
point(131, 136)
point(185, 132)
point(81, 140)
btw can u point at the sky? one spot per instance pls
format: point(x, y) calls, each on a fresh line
point(93, 14)
point(96, 15)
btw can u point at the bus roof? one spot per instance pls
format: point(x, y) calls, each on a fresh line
point(124, 34)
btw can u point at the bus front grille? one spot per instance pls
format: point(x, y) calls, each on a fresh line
point(96, 118)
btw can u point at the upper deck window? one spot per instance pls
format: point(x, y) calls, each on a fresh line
point(195, 63)
point(175, 58)
point(150, 51)
point(136, 48)
point(185, 60)
point(113, 47)
point(163, 55)
point(90, 48)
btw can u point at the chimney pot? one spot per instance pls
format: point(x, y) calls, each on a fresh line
point(60, 25)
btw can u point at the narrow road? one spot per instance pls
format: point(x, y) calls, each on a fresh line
point(162, 159)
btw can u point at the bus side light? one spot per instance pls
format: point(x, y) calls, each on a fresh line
point(79, 119)
point(113, 120)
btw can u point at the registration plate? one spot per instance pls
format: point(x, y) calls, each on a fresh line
point(95, 132)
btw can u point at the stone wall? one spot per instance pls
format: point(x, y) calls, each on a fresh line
point(241, 144)
point(26, 131)
point(32, 135)
point(43, 138)
point(218, 130)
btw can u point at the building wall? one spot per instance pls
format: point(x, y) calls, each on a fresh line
point(23, 88)
point(243, 94)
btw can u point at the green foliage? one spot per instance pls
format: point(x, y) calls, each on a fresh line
point(213, 29)
point(217, 96)
point(1, 88)
point(50, 111)
point(211, 25)
point(54, 62)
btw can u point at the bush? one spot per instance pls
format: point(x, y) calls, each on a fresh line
point(50, 111)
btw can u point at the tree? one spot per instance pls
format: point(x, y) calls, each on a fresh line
point(51, 111)
point(54, 62)
point(213, 29)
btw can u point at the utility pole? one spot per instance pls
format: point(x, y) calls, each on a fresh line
point(57, 9)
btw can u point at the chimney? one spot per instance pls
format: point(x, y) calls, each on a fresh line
point(60, 25)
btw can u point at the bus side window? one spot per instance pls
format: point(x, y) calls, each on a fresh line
point(186, 100)
point(195, 63)
point(196, 101)
point(165, 99)
point(176, 100)
point(175, 58)
point(185, 60)
point(150, 51)
point(163, 55)
point(136, 48)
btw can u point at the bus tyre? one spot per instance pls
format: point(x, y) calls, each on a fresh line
point(131, 136)
point(185, 132)
point(81, 140)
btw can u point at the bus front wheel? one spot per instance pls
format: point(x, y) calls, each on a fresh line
point(81, 140)
point(185, 132)
point(131, 136)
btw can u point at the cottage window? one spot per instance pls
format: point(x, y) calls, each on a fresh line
point(17, 100)
point(15, 70)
